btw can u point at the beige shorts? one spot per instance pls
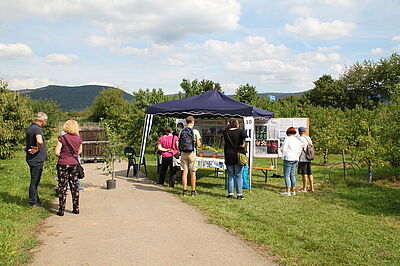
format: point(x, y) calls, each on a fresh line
point(189, 161)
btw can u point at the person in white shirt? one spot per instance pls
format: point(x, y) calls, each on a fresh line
point(291, 150)
point(304, 168)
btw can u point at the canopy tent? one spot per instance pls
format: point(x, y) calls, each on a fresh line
point(209, 104)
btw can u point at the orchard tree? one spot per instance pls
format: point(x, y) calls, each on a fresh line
point(110, 105)
point(327, 93)
point(15, 116)
point(246, 94)
point(196, 88)
point(55, 115)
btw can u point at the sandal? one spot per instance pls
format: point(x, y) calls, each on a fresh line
point(302, 191)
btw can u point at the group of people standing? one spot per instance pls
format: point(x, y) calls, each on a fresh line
point(181, 144)
point(68, 147)
point(294, 150)
point(185, 144)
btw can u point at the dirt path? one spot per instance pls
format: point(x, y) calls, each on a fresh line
point(136, 224)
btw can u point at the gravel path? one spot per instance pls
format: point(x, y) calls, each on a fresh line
point(137, 223)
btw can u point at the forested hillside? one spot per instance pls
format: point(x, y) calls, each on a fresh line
point(70, 98)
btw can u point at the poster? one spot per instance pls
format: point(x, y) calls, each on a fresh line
point(271, 134)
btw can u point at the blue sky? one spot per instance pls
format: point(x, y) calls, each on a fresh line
point(277, 46)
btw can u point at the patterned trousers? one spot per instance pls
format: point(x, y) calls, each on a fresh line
point(68, 174)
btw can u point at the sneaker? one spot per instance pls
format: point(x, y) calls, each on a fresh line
point(229, 197)
point(293, 193)
point(240, 197)
point(285, 193)
point(194, 193)
point(184, 193)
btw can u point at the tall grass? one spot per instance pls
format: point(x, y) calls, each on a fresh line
point(18, 221)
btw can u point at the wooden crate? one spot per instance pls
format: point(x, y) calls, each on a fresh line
point(94, 141)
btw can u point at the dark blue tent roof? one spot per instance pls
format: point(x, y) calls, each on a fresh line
point(211, 103)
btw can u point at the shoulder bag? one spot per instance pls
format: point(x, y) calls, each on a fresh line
point(243, 159)
point(81, 173)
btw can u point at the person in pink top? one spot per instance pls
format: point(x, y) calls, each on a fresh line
point(168, 146)
point(67, 165)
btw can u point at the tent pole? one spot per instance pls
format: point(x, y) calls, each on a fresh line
point(146, 131)
point(249, 127)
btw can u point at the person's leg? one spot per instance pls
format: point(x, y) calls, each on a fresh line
point(62, 175)
point(231, 173)
point(293, 177)
point(74, 187)
point(163, 171)
point(310, 177)
point(171, 179)
point(35, 171)
point(193, 179)
point(192, 158)
point(286, 173)
point(304, 179)
point(185, 169)
point(239, 179)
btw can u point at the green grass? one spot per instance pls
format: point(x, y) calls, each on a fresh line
point(342, 224)
point(18, 221)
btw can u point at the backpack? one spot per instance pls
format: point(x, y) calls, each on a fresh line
point(310, 153)
point(186, 140)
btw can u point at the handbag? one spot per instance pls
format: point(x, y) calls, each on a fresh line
point(243, 159)
point(81, 173)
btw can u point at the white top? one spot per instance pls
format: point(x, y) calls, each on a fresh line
point(305, 140)
point(291, 148)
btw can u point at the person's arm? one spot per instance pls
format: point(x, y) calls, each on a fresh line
point(57, 150)
point(80, 149)
point(39, 143)
point(160, 148)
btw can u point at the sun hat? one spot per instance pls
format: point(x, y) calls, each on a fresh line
point(302, 129)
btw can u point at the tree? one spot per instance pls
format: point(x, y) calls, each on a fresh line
point(196, 88)
point(327, 93)
point(246, 94)
point(109, 105)
point(55, 115)
point(15, 115)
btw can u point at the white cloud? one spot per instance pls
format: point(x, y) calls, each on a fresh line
point(15, 50)
point(154, 49)
point(253, 47)
point(318, 58)
point(329, 48)
point(136, 18)
point(396, 38)
point(28, 83)
point(378, 51)
point(312, 28)
point(174, 62)
point(102, 41)
point(61, 59)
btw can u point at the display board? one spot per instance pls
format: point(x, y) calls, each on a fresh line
point(210, 130)
point(270, 134)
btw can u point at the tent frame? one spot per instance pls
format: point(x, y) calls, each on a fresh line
point(249, 128)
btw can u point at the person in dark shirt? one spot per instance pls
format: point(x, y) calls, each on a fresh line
point(36, 154)
point(234, 139)
point(67, 165)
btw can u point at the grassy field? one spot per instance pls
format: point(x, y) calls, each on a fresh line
point(356, 223)
point(18, 221)
point(342, 224)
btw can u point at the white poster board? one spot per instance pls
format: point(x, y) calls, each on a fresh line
point(270, 134)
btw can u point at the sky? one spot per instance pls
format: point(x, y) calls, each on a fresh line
point(277, 46)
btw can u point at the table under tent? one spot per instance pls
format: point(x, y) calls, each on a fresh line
point(211, 104)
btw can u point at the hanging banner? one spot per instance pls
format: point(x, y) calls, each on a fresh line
point(269, 135)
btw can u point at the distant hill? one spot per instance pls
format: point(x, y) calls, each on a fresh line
point(70, 98)
point(279, 95)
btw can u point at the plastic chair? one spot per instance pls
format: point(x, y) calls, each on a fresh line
point(131, 154)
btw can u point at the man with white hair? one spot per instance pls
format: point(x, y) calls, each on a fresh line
point(36, 154)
